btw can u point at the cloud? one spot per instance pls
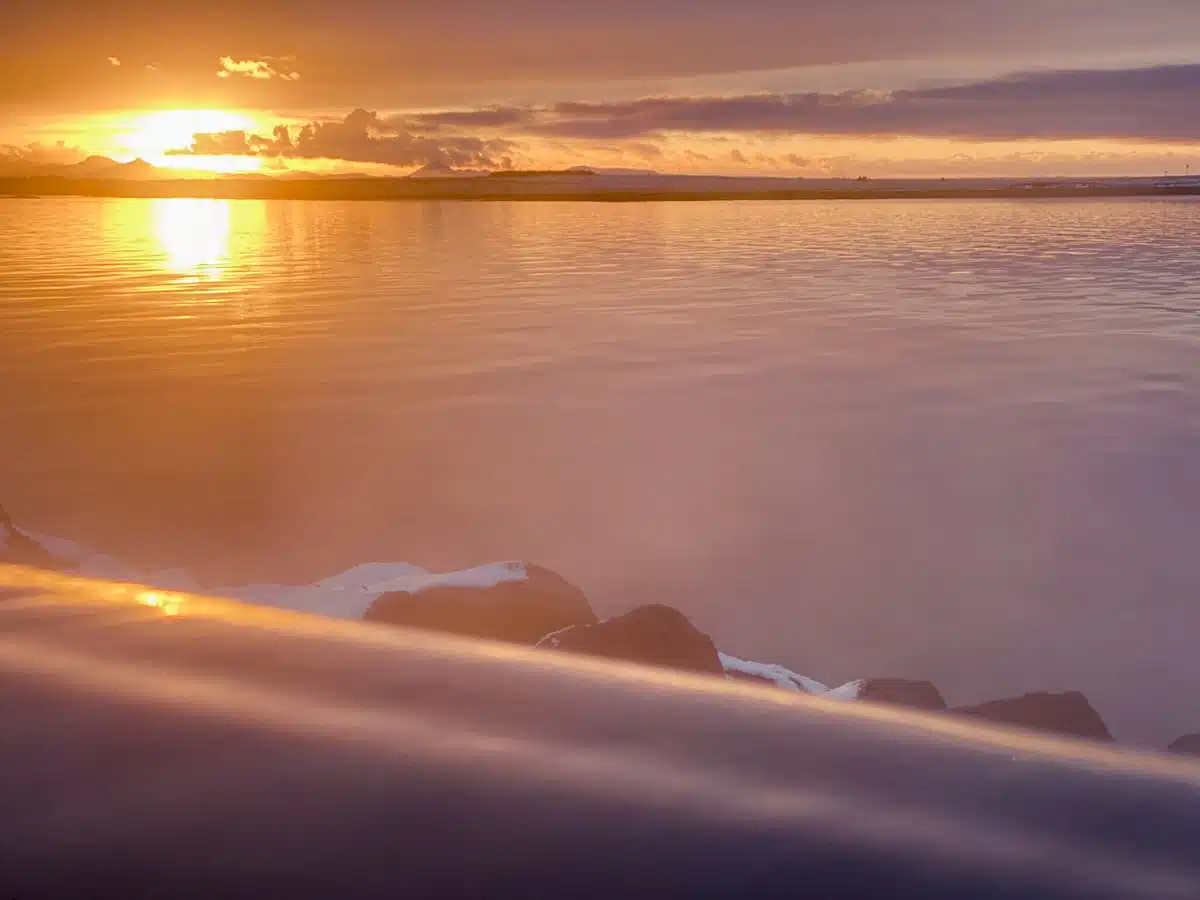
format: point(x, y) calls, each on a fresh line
point(986, 162)
point(228, 143)
point(381, 52)
point(114, 61)
point(20, 158)
point(487, 117)
point(264, 69)
point(1143, 106)
point(1150, 104)
point(361, 137)
point(643, 150)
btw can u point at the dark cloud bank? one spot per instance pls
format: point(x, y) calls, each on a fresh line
point(1153, 105)
point(1156, 104)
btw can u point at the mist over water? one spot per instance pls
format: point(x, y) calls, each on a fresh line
point(947, 439)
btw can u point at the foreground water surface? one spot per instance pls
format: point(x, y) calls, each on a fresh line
point(947, 439)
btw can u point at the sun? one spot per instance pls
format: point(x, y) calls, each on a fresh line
point(150, 135)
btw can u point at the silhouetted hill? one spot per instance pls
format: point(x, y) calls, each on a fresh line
point(103, 167)
point(441, 170)
point(541, 173)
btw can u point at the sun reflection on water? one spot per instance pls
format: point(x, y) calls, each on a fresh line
point(194, 236)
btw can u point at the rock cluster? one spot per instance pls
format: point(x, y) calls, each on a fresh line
point(546, 611)
point(521, 603)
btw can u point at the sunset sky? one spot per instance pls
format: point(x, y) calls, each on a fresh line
point(778, 87)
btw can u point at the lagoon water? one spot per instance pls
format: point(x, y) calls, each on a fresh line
point(947, 439)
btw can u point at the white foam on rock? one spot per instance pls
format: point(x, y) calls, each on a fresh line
point(346, 595)
point(479, 577)
point(851, 690)
point(784, 678)
point(363, 576)
point(552, 639)
point(792, 681)
point(349, 594)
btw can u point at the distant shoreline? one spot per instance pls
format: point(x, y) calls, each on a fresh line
point(581, 189)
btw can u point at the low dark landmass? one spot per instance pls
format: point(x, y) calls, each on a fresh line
point(577, 185)
point(542, 173)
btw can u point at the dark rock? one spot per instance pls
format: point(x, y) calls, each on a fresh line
point(520, 612)
point(1189, 745)
point(902, 692)
point(1068, 713)
point(654, 635)
point(22, 550)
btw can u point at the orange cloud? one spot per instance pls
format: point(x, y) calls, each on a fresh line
point(360, 137)
point(264, 69)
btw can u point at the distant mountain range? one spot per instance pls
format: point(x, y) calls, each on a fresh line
point(441, 170)
point(92, 167)
point(611, 170)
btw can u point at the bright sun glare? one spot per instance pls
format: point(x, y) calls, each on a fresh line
point(194, 235)
point(150, 136)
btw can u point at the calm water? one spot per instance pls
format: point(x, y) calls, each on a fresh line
point(957, 440)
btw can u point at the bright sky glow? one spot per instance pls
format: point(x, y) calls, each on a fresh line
point(149, 136)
